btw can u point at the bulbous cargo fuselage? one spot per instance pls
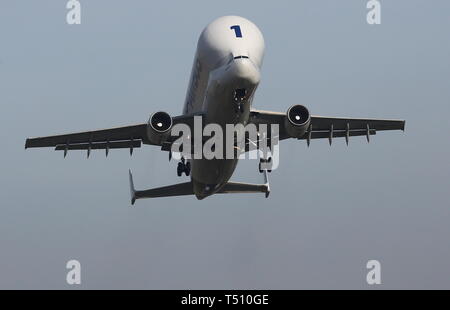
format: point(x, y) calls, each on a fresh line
point(227, 64)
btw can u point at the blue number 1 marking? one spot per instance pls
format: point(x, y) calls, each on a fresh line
point(237, 31)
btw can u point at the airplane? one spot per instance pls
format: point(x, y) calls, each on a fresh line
point(224, 78)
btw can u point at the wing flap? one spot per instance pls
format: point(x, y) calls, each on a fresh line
point(340, 134)
point(100, 145)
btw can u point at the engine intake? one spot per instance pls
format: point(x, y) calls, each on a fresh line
point(159, 126)
point(297, 121)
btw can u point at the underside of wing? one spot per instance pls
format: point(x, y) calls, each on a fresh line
point(324, 123)
point(119, 136)
point(323, 127)
point(334, 127)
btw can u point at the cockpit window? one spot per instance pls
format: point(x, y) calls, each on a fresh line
point(239, 57)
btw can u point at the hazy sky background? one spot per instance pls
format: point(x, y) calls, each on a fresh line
point(331, 208)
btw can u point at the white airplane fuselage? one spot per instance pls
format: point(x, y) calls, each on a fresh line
point(227, 64)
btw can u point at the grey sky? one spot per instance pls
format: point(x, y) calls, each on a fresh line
point(331, 208)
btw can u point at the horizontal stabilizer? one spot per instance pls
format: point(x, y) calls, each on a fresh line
point(180, 189)
point(237, 187)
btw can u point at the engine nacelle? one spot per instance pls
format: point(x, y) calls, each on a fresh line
point(158, 127)
point(297, 121)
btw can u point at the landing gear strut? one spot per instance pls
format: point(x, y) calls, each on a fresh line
point(240, 107)
point(265, 166)
point(183, 166)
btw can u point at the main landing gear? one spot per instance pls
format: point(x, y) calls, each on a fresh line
point(183, 166)
point(265, 167)
point(265, 164)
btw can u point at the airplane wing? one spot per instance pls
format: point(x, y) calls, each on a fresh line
point(119, 137)
point(130, 137)
point(329, 127)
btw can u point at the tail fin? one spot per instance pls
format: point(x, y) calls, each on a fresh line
point(132, 191)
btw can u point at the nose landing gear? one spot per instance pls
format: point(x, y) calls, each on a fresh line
point(240, 96)
point(183, 166)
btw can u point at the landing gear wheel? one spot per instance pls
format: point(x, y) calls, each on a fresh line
point(261, 162)
point(187, 169)
point(269, 161)
point(241, 107)
point(180, 169)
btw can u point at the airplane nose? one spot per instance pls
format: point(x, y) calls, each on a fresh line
point(242, 68)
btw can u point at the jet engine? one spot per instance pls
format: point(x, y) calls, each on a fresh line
point(297, 121)
point(158, 127)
